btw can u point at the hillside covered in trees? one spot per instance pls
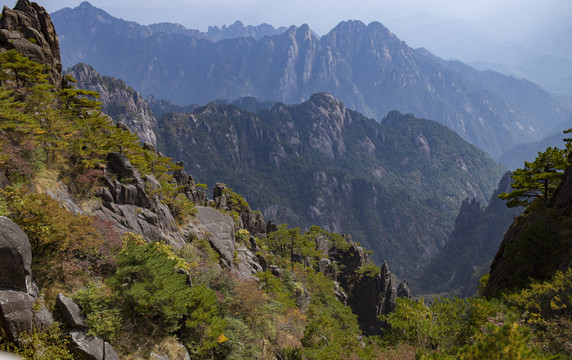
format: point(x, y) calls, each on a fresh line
point(110, 251)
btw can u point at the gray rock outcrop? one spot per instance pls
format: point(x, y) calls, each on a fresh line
point(127, 204)
point(119, 101)
point(16, 315)
point(15, 256)
point(28, 28)
point(220, 231)
point(368, 295)
point(17, 291)
point(250, 220)
point(84, 345)
point(70, 312)
point(89, 347)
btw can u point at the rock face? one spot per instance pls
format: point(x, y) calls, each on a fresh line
point(70, 312)
point(253, 221)
point(220, 229)
point(28, 28)
point(536, 245)
point(126, 203)
point(119, 101)
point(369, 295)
point(17, 292)
point(89, 347)
point(15, 256)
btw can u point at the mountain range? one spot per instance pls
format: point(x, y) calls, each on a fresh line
point(103, 237)
point(365, 66)
point(395, 186)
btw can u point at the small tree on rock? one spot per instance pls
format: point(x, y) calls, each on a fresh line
point(538, 179)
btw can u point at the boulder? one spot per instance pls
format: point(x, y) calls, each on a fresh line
point(247, 265)
point(328, 268)
point(71, 313)
point(42, 318)
point(276, 271)
point(220, 230)
point(15, 256)
point(89, 347)
point(120, 166)
point(323, 245)
point(3, 181)
point(403, 290)
point(16, 313)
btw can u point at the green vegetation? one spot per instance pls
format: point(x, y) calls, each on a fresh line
point(65, 246)
point(41, 345)
point(183, 297)
point(473, 328)
point(538, 179)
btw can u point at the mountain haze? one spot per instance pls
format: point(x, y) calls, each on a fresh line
point(365, 66)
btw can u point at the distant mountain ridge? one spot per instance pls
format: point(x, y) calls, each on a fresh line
point(395, 186)
point(365, 66)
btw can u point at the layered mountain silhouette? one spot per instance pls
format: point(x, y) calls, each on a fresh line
point(365, 66)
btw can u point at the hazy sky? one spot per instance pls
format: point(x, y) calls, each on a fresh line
point(321, 15)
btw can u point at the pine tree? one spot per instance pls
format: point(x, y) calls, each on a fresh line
point(537, 179)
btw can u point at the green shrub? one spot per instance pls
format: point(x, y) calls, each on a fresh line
point(48, 344)
point(100, 308)
point(148, 284)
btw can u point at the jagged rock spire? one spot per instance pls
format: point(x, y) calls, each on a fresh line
point(28, 28)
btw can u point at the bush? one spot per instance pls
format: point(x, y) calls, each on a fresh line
point(47, 344)
point(148, 284)
point(100, 308)
point(63, 244)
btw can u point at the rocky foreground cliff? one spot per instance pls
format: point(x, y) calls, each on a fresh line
point(536, 245)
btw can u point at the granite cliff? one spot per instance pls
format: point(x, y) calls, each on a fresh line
point(536, 245)
point(28, 28)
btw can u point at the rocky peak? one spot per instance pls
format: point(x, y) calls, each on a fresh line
point(394, 117)
point(330, 117)
point(120, 102)
point(470, 209)
point(28, 28)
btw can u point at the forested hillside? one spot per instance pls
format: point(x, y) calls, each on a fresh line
point(109, 250)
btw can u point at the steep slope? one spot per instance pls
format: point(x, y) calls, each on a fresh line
point(395, 186)
point(470, 248)
point(119, 101)
point(365, 66)
point(536, 245)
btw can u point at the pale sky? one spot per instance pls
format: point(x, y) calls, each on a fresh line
point(322, 15)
